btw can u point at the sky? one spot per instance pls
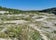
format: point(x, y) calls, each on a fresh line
point(28, 4)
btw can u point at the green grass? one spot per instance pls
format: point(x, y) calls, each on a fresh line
point(21, 32)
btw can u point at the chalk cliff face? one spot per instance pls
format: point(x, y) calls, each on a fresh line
point(27, 26)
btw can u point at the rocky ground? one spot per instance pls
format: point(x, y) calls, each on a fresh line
point(28, 26)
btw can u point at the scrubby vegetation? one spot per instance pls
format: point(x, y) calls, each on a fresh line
point(27, 25)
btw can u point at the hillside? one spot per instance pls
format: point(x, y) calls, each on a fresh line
point(50, 10)
point(27, 25)
point(16, 11)
point(10, 10)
